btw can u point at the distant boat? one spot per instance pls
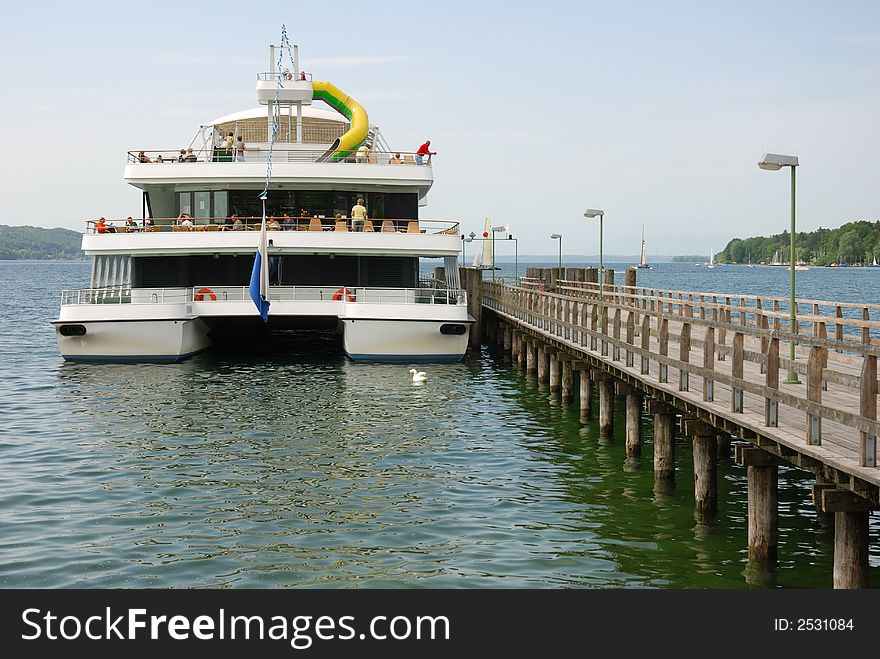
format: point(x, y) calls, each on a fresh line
point(711, 264)
point(643, 262)
point(751, 265)
point(776, 260)
point(873, 264)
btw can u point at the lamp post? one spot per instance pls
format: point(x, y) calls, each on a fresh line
point(774, 162)
point(558, 236)
point(591, 213)
point(504, 229)
point(515, 259)
point(466, 239)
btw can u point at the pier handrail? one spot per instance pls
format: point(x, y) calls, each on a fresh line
point(629, 328)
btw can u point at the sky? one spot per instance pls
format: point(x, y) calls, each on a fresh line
point(655, 112)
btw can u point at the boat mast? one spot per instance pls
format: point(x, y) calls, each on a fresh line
point(644, 252)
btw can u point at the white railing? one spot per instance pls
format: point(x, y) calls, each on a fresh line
point(352, 294)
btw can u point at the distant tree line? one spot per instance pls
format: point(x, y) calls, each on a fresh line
point(38, 243)
point(692, 258)
point(854, 243)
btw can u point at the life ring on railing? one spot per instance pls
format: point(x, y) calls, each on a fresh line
point(344, 293)
point(202, 292)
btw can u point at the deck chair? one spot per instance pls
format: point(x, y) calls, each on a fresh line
point(413, 227)
point(408, 159)
point(368, 227)
point(315, 225)
point(373, 160)
point(123, 229)
point(212, 227)
point(388, 226)
point(341, 225)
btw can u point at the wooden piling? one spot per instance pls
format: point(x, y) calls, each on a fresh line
point(606, 407)
point(633, 423)
point(585, 397)
point(567, 380)
point(705, 466)
point(664, 441)
point(850, 536)
point(542, 363)
point(762, 474)
point(531, 356)
point(555, 379)
point(850, 550)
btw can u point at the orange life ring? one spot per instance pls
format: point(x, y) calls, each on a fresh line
point(202, 292)
point(344, 293)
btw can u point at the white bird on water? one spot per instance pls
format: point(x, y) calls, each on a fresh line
point(418, 376)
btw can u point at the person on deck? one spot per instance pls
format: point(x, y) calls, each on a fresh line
point(363, 153)
point(190, 156)
point(395, 159)
point(101, 225)
point(143, 158)
point(424, 150)
point(272, 224)
point(239, 149)
point(358, 215)
point(182, 156)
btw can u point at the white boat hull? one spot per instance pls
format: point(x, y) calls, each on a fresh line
point(135, 341)
point(404, 340)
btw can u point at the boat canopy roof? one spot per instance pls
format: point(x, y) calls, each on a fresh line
point(263, 112)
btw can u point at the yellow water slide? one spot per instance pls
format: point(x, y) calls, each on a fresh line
point(347, 143)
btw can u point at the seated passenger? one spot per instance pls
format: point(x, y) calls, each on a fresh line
point(130, 222)
point(272, 224)
point(362, 153)
point(182, 156)
point(101, 225)
point(395, 159)
point(190, 156)
point(237, 224)
point(159, 158)
point(184, 220)
point(289, 224)
point(143, 158)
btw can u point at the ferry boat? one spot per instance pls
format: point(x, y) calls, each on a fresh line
point(176, 281)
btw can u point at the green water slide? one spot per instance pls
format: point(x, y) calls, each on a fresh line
point(347, 143)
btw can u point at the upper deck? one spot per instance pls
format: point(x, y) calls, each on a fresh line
point(307, 166)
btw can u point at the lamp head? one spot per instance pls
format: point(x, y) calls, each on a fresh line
point(593, 212)
point(555, 235)
point(775, 161)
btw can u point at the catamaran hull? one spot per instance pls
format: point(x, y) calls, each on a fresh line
point(405, 340)
point(131, 340)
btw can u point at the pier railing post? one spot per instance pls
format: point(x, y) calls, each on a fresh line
point(663, 334)
point(868, 409)
point(709, 364)
point(615, 351)
point(646, 344)
point(771, 405)
point(630, 337)
point(736, 371)
point(814, 394)
point(684, 354)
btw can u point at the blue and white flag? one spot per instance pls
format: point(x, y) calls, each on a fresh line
point(259, 287)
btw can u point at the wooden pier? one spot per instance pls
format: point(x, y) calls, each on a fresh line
point(710, 364)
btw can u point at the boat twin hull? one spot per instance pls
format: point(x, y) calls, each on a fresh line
point(175, 340)
point(405, 340)
point(132, 340)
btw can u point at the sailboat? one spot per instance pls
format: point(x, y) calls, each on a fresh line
point(751, 265)
point(873, 264)
point(711, 263)
point(484, 259)
point(643, 261)
point(776, 260)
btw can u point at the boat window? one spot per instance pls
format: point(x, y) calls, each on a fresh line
point(184, 203)
point(221, 204)
point(202, 203)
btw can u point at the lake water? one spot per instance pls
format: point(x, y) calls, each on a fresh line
point(287, 465)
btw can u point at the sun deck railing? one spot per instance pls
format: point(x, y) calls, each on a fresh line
point(316, 224)
point(280, 154)
point(219, 294)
